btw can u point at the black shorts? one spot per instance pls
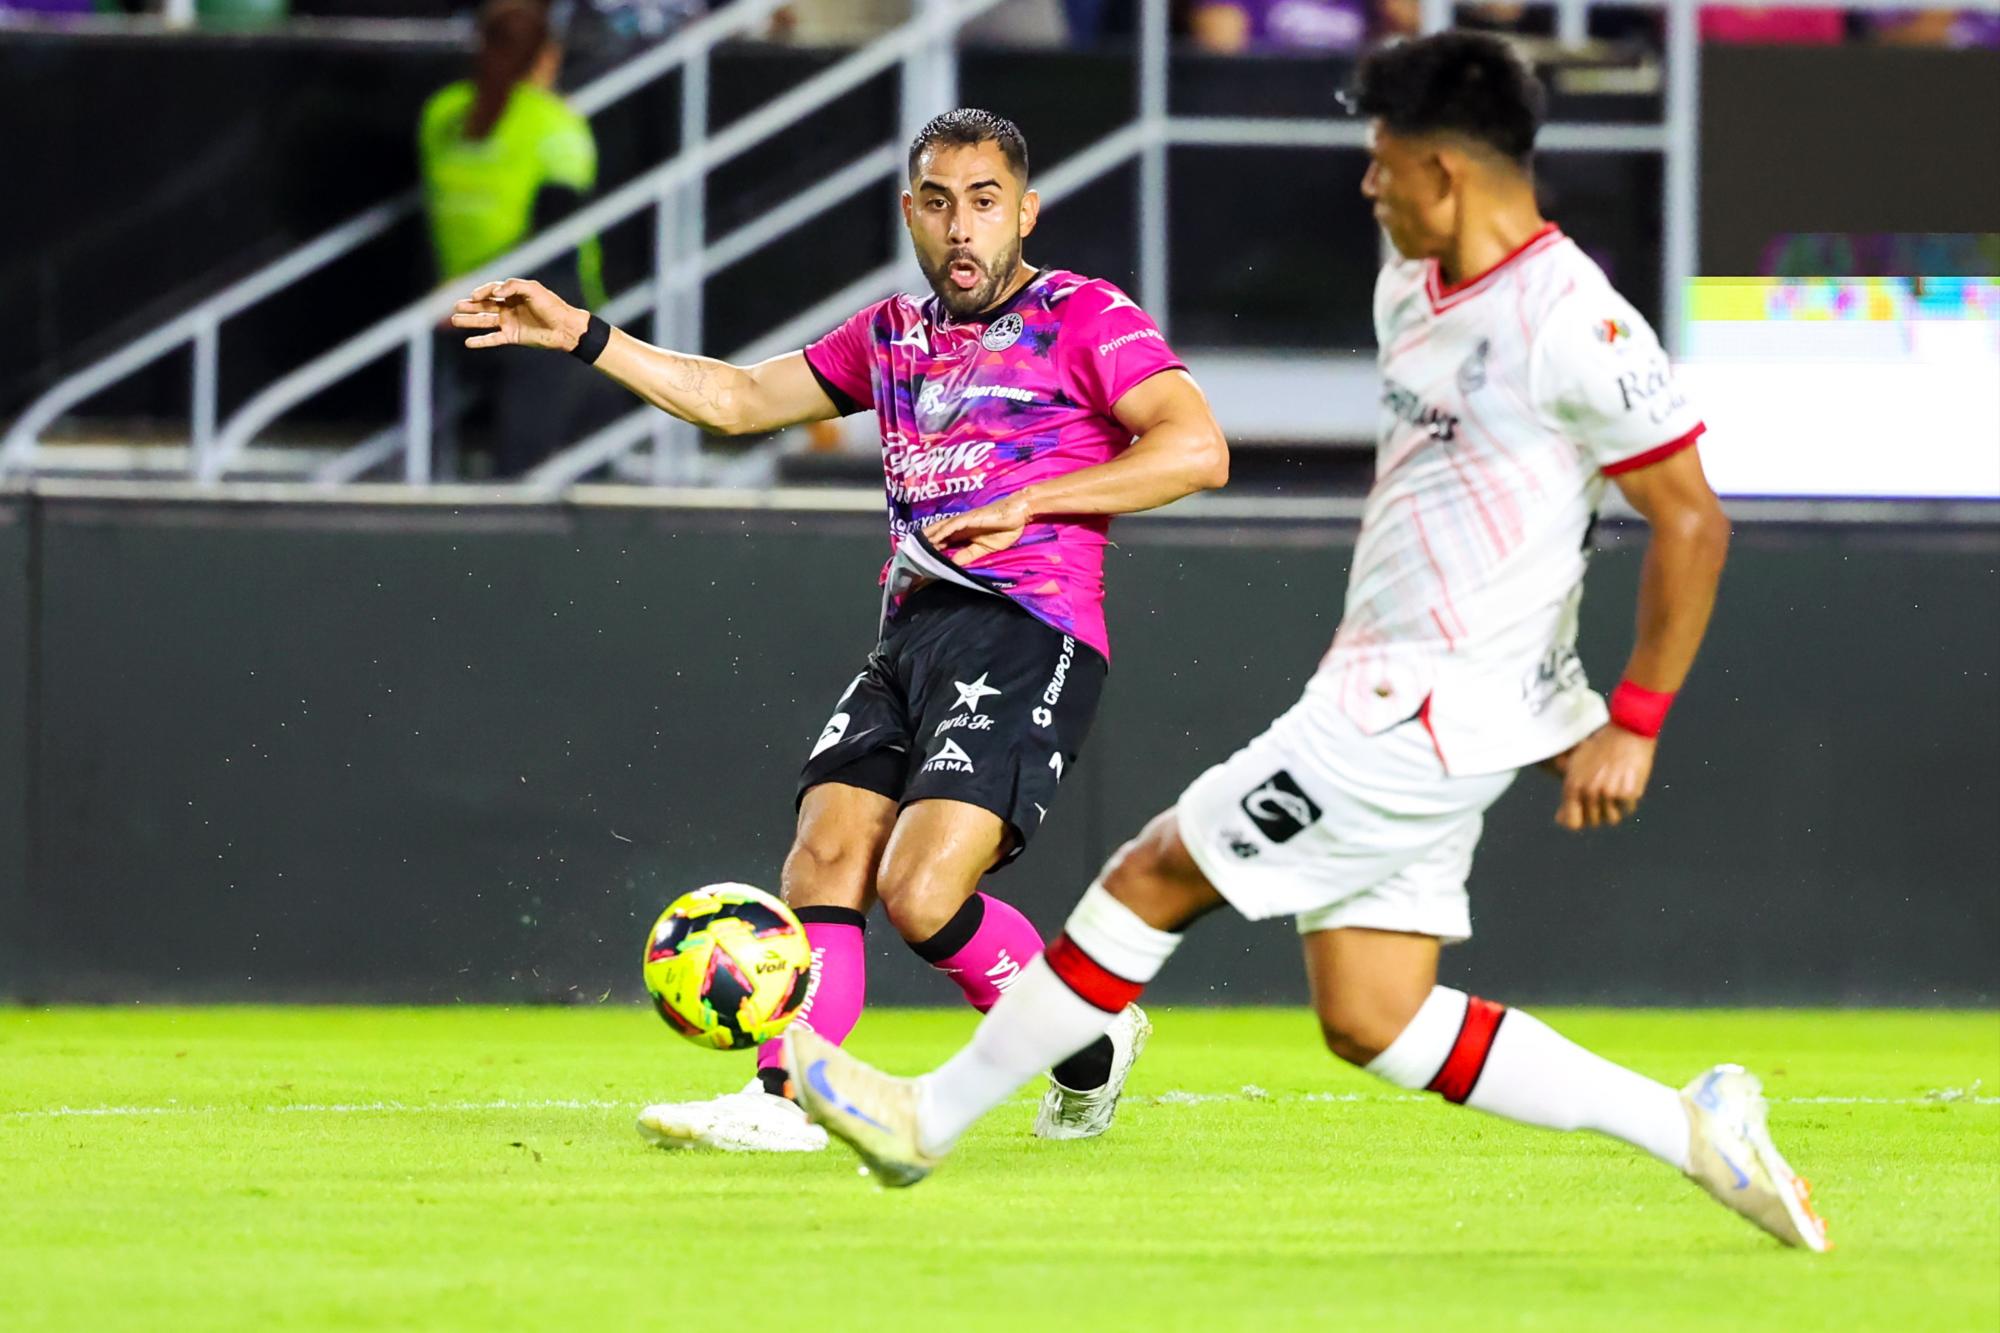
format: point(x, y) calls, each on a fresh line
point(967, 698)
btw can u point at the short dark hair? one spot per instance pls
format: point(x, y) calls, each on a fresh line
point(1468, 83)
point(967, 127)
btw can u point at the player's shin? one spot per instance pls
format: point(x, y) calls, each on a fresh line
point(1060, 1004)
point(1476, 1053)
point(834, 995)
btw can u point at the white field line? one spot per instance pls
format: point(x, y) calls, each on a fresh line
point(323, 1108)
point(1250, 1093)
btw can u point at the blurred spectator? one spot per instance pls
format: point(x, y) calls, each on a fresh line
point(1020, 23)
point(598, 34)
point(504, 157)
point(1231, 26)
point(853, 22)
point(241, 13)
point(1773, 25)
point(837, 22)
point(1958, 28)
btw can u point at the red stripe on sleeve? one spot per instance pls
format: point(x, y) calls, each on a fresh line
point(1084, 975)
point(1467, 1061)
point(1656, 454)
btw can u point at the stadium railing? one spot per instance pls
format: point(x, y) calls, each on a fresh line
point(675, 189)
point(199, 327)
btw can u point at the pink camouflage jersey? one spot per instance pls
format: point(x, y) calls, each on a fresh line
point(974, 409)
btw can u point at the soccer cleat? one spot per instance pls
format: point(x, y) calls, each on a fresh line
point(1068, 1114)
point(1732, 1157)
point(748, 1121)
point(874, 1112)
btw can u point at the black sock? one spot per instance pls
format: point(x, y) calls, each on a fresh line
point(1089, 1068)
point(775, 1080)
point(954, 935)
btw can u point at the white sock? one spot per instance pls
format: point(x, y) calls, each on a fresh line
point(1059, 1004)
point(1512, 1064)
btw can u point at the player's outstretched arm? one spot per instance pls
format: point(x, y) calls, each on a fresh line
point(1607, 774)
point(717, 396)
point(1179, 450)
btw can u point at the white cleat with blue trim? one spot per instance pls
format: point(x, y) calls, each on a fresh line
point(1732, 1157)
point(875, 1113)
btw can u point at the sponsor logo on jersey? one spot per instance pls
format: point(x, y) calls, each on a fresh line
point(970, 721)
point(1002, 333)
point(1043, 716)
point(1136, 335)
point(836, 727)
point(931, 400)
point(1404, 405)
point(1056, 764)
point(914, 473)
point(904, 459)
point(999, 391)
point(949, 759)
point(1652, 389)
point(1279, 809)
point(1557, 673)
point(1610, 331)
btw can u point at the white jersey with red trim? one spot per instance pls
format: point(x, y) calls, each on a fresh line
point(1505, 404)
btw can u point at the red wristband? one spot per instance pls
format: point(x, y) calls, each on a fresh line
point(1640, 710)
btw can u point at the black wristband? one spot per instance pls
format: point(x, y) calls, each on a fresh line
point(591, 345)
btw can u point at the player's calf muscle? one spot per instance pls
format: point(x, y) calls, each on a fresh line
point(1366, 986)
point(1155, 877)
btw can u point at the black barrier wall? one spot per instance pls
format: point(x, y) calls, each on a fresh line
point(426, 754)
point(16, 649)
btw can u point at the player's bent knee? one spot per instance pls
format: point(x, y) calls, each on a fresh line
point(825, 870)
point(920, 905)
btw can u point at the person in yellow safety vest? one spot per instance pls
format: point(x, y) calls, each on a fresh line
point(504, 157)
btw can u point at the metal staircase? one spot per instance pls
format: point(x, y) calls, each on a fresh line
point(923, 48)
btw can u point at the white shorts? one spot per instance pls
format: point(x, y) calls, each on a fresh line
point(1315, 820)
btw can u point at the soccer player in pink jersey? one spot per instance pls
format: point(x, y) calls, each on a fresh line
point(1020, 409)
point(1516, 383)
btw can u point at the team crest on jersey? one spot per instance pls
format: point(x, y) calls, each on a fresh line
point(1002, 333)
point(1609, 331)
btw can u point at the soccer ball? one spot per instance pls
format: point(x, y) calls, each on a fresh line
point(727, 966)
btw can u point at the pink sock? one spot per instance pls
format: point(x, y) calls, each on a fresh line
point(982, 949)
point(840, 979)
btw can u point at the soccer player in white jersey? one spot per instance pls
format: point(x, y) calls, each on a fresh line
point(1515, 383)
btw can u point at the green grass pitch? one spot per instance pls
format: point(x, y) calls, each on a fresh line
point(466, 1168)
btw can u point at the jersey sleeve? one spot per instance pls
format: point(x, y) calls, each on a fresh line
point(1600, 374)
point(1108, 345)
point(843, 359)
point(568, 154)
